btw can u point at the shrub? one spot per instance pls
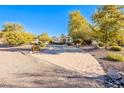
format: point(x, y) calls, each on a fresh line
point(116, 48)
point(35, 48)
point(113, 44)
point(115, 57)
point(78, 41)
point(42, 44)
point(101, 44)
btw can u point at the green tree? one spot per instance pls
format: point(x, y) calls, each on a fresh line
point(44, 37)
point(14, 34)
point(12, 27)
point(109, 21)
point(18, 38)
point(28, 37)
point(14, 38)
point(63, 38)
point(78, 27)
point(1, 34)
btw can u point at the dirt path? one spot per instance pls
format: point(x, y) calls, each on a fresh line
point(18, 70)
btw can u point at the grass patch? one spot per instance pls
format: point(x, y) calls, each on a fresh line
point(115, 57)
point(116, 48)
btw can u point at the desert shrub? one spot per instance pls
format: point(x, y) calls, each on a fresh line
point(113, 44)
point(87, 42)
point(42, 44)
point(115, 57)
point(101, 44)
point(77, 41)
point(116, 48)
point(35, 47)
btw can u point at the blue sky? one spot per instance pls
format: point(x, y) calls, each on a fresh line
point(38, 19)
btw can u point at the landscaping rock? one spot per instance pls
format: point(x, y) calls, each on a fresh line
point(114, 79)
point(122, 81)
point(114, 74)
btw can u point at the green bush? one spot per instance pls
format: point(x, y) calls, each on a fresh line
point(115, 57)
point(101, 44)
point(116, 48)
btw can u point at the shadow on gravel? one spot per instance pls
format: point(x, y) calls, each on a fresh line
point(61, 78)
point(90, 49)
point(50, 49)
point(58, 49)
point(10, 86)
point(53, 78)
point(12, 49)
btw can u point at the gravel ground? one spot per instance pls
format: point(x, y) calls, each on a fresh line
point(71, 58)
point(100, 55)
point(24, 71)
